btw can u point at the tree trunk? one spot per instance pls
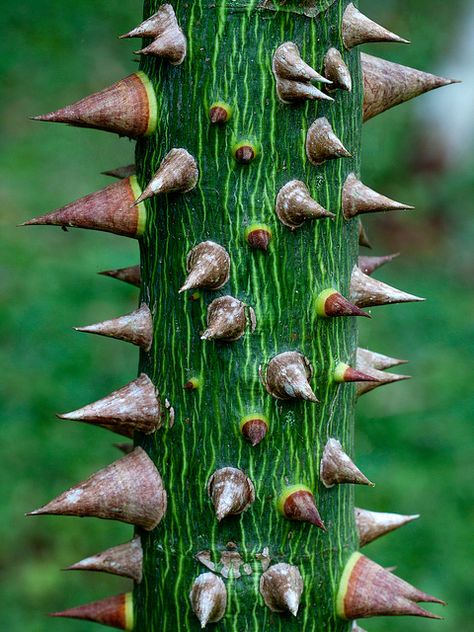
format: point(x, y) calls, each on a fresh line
point(246, 203)
point(230, 50)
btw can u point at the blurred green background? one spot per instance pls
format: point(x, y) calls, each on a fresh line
point(412, 438)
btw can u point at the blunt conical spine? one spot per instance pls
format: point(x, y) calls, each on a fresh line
point(134, 407)
point(368, 292)
point(294, 205)
point(287, 377)
point(208, 598)
point(379, 378)
point(114, 612)
point(369, 590)
point(368, 265)
point(294, 76)
point(363, 236)
point(322, 143)
point(297, 503)
point(230, 491)
point(130, 274)
point(129, 490)
point(109, 210)
point(152, 26)
point(336, 70)
point(338, 468)
point(121, 172)
point(387, 84)
point(367, 360)
point(228, 319)
point(169, 40)
point(136, 328)
point(125, 560)
point(375, 524)
point(128, 108)
point(357, 198)
point(331, 304)
point(177, 173)
point(208, 267)
point(281, 587)
point(358, 29)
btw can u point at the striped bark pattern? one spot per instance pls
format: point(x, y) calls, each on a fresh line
point(229, 58)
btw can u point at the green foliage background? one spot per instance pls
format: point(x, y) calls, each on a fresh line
point(413, 438)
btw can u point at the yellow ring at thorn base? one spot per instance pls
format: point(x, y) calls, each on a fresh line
point(152, 102)
point(252, 417)
point(129, 615)
point(289, 491)
point(321, 300)
point(141, 210)
point(343, 584)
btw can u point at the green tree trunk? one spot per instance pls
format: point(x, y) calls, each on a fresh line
point(266, 157)
point(230, 50)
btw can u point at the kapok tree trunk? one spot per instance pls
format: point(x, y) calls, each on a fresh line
point(248, 202)
point(230, 52)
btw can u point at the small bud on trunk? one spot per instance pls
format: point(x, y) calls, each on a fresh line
point(192, 384)
point(245, 152)
point(358, 29)
point(220, 113)
point(258, 236)
point(254, 428)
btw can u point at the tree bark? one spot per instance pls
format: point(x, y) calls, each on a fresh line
point(230, 50)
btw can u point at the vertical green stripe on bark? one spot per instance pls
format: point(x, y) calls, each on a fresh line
point(230, 49)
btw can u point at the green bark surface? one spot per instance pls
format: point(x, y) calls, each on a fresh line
point(230, 49)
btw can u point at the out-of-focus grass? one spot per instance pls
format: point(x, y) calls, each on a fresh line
point(413, 438)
